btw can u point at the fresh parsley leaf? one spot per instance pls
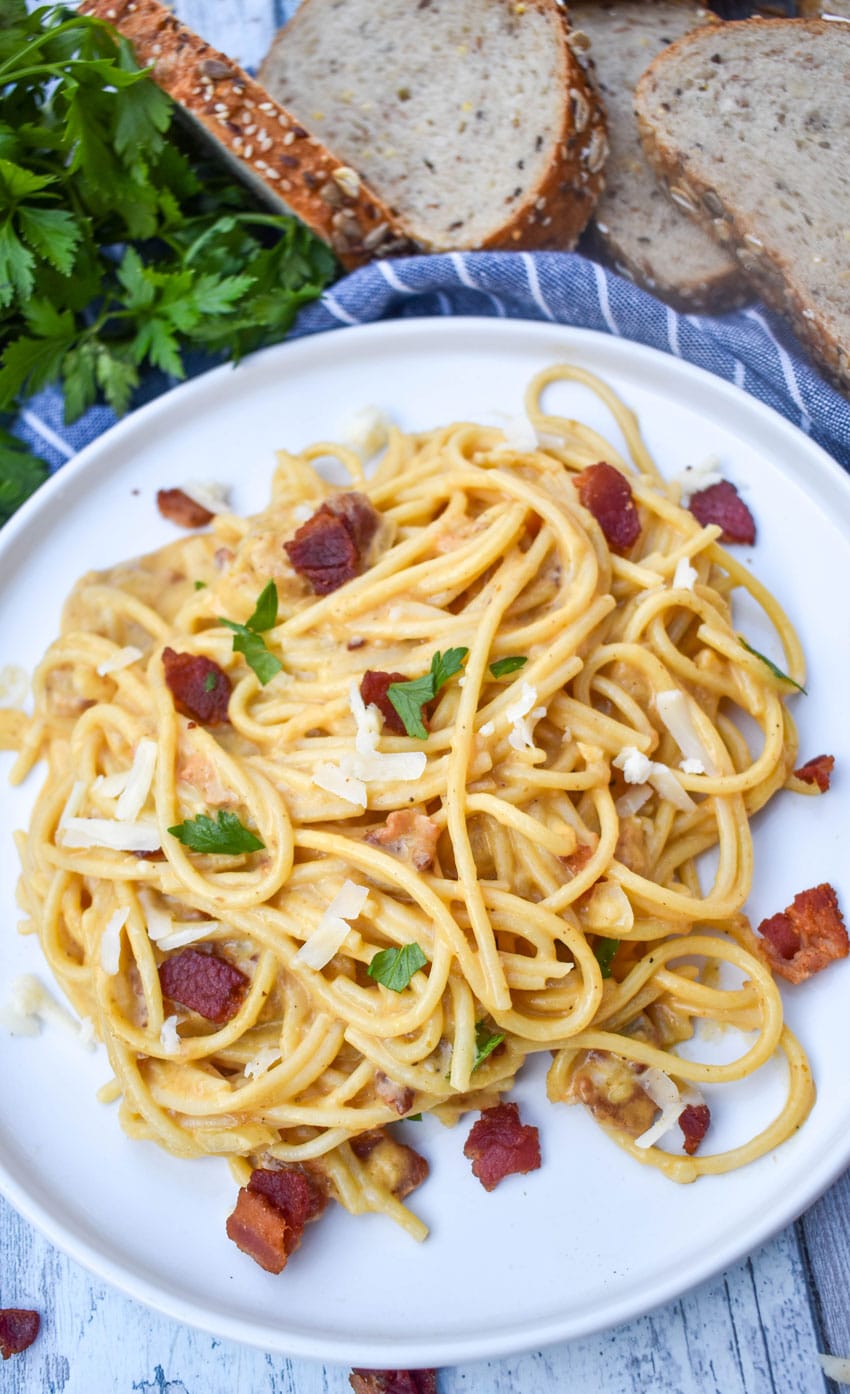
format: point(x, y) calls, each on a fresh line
point(210, 681)
point(444, 666)
point(777, 672)
point(503, 666)
point(20, 474)
point(227, 835)
point(485, 1043)
point(253, 647)
point(409, 698)
point(413, 1118)
point(265, 611)
point(200, 585)
point(605, 949)
point(395, 967)
point(248, 641)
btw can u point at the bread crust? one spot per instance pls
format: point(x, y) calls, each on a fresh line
point(715, 282)
point(282, 160)
point(556, 209)
point(777, 277)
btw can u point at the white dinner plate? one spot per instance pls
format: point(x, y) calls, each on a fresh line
point(592, 1238)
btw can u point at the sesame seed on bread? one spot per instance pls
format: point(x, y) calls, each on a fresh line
point(266, 145)
point(644, 232)
point(751, 120)
point(474, 119)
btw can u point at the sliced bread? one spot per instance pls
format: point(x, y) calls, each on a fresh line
point(750, 122)
point(839, 8)
point(266, 145)
point(475, 121)
point(637, 227)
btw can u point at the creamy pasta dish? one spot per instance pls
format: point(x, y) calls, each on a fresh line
point(354, 804)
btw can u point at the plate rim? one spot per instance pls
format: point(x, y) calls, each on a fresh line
point(507, 1340)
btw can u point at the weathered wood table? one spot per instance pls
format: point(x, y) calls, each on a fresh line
point(756, 1329)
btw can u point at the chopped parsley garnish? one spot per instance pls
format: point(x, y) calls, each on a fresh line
point(605, 949)
point(395, 967)
point(210, 681)
point(248, 640)
point(200, 585)
point(503, 666)
point(224, 834)
point(485, 1043)
point(409, 698)
point(777, 672)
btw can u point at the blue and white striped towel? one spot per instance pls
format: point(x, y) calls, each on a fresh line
point(749, 347)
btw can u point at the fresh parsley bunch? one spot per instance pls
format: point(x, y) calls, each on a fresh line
point(120, 247)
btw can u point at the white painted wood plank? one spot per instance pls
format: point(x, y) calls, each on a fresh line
point(825, 1240)
point(746, 1332)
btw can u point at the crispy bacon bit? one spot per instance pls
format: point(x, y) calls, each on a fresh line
point(393, 1381)
point(330, 548)
point(299, 1198)
point(817, 771)
point(373, 689)
point(18, 1329)
point(499, 1145)
point(391, 1164)
point(722, 504)
point(694, 1121)
point(409, 835)
point(398, 1096)
point(806, 936)
point(609, 1086)
point(201, 690)
point(179, 508)
point(258, 1228)
point(205, 983)
point(607, 494)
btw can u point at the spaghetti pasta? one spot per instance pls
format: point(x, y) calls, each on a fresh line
point(536, 842)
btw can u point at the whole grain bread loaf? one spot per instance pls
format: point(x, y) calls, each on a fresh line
point(475, 121)
point(750, 122)
point(266, 145)
point(637, 227)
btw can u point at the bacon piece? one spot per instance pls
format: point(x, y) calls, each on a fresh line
point(373, 689)
point(722, 504)
point(499, 1145)
point(806, 936)
point(393, 1381)
point(179, 508)
point(296, 1195)
point(609, 1086)
point(391, 1164)
point(817, 771)
point(607, 494)
point(201, 690)
point(211, 986)
point(694, 1121)
point(409, 835)
point(258, 1228)
point(330, 548)
point(18, 1329)
point(398, 1096)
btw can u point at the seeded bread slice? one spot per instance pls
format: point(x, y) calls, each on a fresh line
point(474, 119)
point(751, 122)
point(265, 144)
point(637, 227)
point(840, 8)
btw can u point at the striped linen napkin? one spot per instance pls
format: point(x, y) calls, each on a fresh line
point(749, 347)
